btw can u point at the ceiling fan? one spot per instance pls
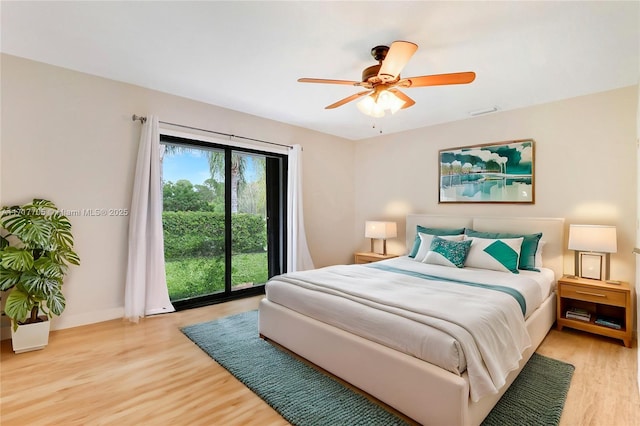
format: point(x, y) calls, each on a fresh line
point(383, 80)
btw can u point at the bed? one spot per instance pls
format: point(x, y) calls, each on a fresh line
point(435, 375)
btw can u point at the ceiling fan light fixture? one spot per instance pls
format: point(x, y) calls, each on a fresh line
point(370, 107)
point(389, 100)
point(386, 100)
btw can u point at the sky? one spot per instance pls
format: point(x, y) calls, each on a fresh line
point(193, 166)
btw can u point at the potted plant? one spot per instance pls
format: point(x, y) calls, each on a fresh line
point(36, 249)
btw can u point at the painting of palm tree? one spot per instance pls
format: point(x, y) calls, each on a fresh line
point(500, 172)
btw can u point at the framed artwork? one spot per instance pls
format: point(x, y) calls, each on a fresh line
point(501, 172)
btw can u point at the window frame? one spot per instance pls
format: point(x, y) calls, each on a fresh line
point(277, 162)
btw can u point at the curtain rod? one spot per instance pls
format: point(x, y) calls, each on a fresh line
point(143, 119)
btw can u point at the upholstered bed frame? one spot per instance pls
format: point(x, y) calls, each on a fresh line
point(420, 390)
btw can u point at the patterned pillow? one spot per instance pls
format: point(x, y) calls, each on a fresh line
point(432, 231)
point(425, 243)
point(501, 254)
point(528, 251)
point(447, 253)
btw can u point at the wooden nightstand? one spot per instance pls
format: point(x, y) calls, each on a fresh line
point(362, 257)
point(594, 301)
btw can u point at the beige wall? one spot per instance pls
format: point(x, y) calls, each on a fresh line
point(68, 137)
point(585, 168)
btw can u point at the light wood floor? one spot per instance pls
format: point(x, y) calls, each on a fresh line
point(151, 374)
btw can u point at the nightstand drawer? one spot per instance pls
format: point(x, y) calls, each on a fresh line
point(590, 294)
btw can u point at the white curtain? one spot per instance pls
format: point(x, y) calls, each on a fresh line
point(146, 290)
point(298, 256)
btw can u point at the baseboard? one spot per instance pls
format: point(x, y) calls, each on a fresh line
point(69, 321)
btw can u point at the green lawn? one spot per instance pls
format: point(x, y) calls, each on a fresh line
point(205, 275)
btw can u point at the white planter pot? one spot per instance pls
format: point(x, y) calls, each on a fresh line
point(30, 337)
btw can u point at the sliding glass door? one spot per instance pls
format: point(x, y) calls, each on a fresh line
point(224, 220)
point(249, 260)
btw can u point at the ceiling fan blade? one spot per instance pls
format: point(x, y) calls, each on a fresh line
point(397, 57)
point(438, 79)
point(325, 81)
point(408, 102)
point(348, 99)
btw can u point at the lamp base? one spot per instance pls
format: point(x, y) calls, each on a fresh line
point(384, 247)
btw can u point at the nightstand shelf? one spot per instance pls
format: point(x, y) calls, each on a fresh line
point(600, 301)
point(362, 257)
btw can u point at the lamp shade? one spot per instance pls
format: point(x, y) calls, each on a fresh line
point(380, 230)
point(370, 107)
point(375, 105)
point(596, 238)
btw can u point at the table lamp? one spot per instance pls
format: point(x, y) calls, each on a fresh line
point(382, 231)
point(593, 245)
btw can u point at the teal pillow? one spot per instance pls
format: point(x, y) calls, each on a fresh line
point(528, 250)
point(431, 231)
point(448, 253)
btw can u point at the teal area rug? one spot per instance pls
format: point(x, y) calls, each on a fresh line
point(305, 396)
point(536, 396)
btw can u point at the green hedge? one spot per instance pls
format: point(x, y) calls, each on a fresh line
point(198, 234)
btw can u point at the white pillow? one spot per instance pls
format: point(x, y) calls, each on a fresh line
point(538, 257)
point(496, 254)
point(425, 243)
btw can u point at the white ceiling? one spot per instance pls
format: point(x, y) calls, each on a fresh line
point(247, 56)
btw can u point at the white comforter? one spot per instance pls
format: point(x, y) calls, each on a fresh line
point(487, 325)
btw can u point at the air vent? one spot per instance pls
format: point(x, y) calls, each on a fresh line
point(483, 111)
